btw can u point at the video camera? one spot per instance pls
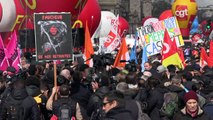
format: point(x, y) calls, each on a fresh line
point(131, 67)
point(103, 60)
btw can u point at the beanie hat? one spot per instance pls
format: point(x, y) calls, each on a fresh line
point(190, 95)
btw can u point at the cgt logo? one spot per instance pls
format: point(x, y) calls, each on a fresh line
point(181, 12)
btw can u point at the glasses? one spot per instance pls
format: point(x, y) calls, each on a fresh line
point(105, 103)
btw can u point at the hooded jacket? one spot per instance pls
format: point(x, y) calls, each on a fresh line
point(118, 113)
point(30, 108)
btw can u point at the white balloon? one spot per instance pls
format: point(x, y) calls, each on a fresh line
point(105, 23)
point(103, 28)
point(8, 15)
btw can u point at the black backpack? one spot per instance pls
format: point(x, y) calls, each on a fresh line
point(15, 110)
point(67, 110)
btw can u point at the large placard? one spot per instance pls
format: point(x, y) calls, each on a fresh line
point(53, 36)
point(153, 35)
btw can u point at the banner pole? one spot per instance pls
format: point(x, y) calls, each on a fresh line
point(55, 77)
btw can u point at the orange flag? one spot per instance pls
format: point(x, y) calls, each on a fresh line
point(170, 52)
point(123, 54)
point(88, 48)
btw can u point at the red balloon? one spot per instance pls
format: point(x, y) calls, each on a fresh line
point(22, 14)
point(165, 14)
point(72, 6)
point(92, 14)
point(123, 26)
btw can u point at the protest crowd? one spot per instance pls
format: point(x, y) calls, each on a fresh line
point(104, 92)
point(160, 77)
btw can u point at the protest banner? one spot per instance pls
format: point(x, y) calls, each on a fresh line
point(152, 35)
point(53, 36)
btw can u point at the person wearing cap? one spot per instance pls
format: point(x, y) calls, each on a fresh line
point(163, 73)
point(192, 110)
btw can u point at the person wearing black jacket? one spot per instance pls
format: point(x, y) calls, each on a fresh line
point(154, 99)
point(114, 107)
point(28, 107)
point(65, 99)
point(95, 101)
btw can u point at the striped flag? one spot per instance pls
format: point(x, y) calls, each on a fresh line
point(12, 52)
point(3, 58)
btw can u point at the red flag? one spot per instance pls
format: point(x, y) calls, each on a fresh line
point(181, 54)
point(12, 51)
point(88, 48)
point(203, 57)
point(170, 52)
point(168, 46)
point(3, 58)
point(123, 54)
point(210, 60)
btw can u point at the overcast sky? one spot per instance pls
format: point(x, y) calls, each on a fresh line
point(203, 3)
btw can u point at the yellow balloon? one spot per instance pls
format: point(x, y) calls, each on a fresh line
point(185, 12)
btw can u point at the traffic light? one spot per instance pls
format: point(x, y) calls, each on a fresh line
point(208, 24)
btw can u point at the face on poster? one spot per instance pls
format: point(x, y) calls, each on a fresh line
point(53, 36)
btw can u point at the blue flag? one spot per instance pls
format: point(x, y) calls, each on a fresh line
point(133, 54)
point(195, 26)
point(144, 58)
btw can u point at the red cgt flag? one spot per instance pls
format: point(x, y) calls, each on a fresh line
point(170, 54)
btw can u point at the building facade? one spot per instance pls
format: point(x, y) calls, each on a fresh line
point(131, 10)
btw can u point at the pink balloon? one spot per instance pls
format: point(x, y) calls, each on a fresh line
point(123, 26)
point(165, 14)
